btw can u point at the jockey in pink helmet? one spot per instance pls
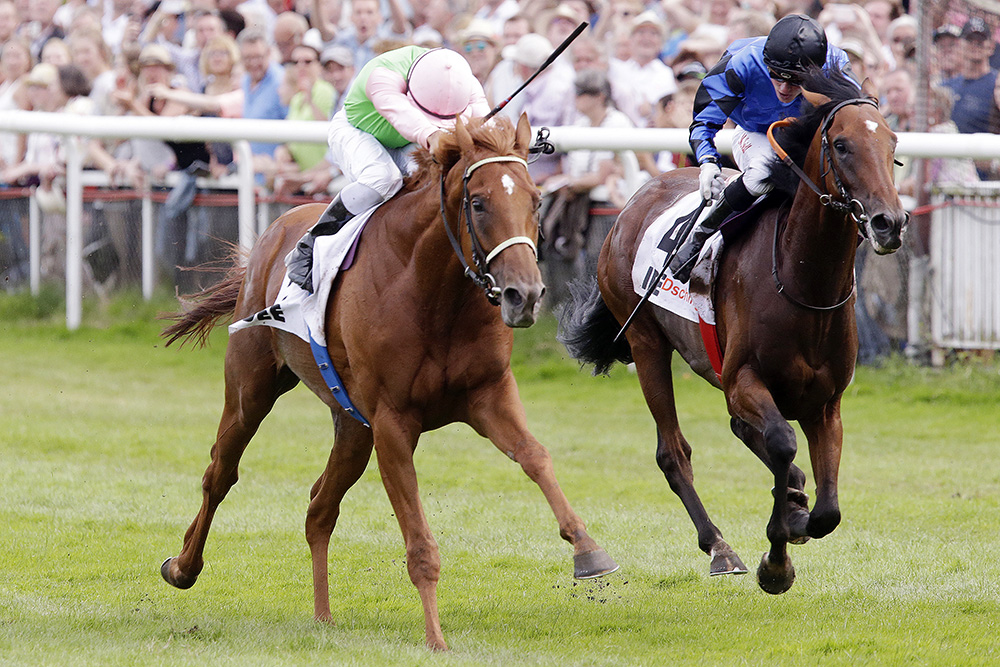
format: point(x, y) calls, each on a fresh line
point(401, 99)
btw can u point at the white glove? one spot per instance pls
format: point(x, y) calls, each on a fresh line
point(710, 181)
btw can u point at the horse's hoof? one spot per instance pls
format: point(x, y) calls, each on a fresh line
point(775, 579)
point(726, 562)
point(174, 578)
point(593, 564)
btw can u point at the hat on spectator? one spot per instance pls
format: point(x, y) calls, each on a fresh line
point(478, 29)
point(337, 54)
point(947, 30)
point(853, 47)
point(565, 11)
point(530, 50)
point(155, 54)
point(42, 74)
point(975, 28)
point(313, 40)
point(649, 17)
point(173, 7)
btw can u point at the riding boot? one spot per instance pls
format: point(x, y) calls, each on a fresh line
point(683, 261)
point(300, 260)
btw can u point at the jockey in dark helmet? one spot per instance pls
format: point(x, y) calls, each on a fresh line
point(755, 83)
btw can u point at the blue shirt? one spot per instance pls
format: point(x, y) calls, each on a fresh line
point(974, 106)
point(264, 102)
point(739, 87)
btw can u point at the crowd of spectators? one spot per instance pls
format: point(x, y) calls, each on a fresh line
point(638, 64)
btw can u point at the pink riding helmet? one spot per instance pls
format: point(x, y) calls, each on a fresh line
point(441, 83)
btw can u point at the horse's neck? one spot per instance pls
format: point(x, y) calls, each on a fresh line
point(817, 246)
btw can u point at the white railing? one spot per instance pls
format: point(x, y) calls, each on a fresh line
point(241, 131)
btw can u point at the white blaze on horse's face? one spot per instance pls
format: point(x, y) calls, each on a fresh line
point(508, 183)
point(871, 125)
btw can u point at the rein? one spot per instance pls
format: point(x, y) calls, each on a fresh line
point(480, 275)
point(847, 205)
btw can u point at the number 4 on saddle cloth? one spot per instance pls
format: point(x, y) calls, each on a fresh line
point(692, 300)
point(304, 314)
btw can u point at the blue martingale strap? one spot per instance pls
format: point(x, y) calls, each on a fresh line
point(332, 379)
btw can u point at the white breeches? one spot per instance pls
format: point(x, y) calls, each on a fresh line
point(753, 155)
point(366, 161)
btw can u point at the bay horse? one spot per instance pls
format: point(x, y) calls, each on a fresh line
point(416, 343)
point(784, 298)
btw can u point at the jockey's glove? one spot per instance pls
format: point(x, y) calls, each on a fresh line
point(710, 181)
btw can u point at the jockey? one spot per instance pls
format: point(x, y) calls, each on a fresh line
point(755, 84)
point(401, 99)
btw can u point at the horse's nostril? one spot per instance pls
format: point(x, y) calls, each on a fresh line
point(881, 224)
point(513, 297)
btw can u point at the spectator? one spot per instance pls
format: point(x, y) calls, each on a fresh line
point(480, 46)
point(205, 26)
point(644, 71)
point(56, 53)
point(313, 99)
point(881, 13)
point(326, 16)
point(9, 20)
point(41, 26)
point(165, 26)
point(976, 89)
point(941, 170)
point(15, 64)
point(338, 71)
point(289, 31)
point(432, 22)
point(497, 12)
point(115, 23)
point(514, 28)
point(262, 79)
point(587, 54)
point(91, 54)
point(368, 28)
point(947, 61)
point(676, 110)
point(902, 35)
point(548, 99)
point(560, 24)
point(593, 180)
point(899, 100)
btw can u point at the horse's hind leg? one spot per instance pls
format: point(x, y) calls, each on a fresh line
point(673, 453)
point(501, 418)
point(352, 448)
point(253, 383)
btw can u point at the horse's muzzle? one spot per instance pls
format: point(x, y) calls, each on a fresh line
point(885, 231)
point(519, 304)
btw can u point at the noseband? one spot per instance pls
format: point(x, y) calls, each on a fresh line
point(480, 275)
point(847, 204)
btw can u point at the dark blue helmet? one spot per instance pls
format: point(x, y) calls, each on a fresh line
point(794, 43)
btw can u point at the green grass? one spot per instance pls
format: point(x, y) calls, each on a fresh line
point(104, 435)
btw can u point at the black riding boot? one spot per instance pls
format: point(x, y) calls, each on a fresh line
point(735, 199)
point(300, 261)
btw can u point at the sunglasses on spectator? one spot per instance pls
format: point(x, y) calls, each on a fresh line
point(469, 47)
point(307, 61)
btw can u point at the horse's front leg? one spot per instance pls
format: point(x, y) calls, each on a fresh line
point(499, 415)
point(751, 401)
point(826, 438)
point(395, 440)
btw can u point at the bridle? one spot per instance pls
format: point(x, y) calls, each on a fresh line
point(846, 204)
point(480, 275)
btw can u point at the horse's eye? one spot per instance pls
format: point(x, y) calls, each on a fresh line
point(840, 146)
point(477, 205)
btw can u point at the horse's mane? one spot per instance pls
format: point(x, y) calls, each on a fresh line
point(496, 137)
point(796, 137)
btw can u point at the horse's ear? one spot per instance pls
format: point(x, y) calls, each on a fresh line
point(868, 89)
point(815, 99)
point(522, 139)
point(462, 135)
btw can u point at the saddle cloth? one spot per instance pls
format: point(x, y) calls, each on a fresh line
point(295, 310)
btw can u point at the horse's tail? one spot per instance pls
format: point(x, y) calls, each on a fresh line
point(588, 329)
point(209, 306)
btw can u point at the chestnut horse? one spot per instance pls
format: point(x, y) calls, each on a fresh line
point(416, 343)
point(790, 343)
